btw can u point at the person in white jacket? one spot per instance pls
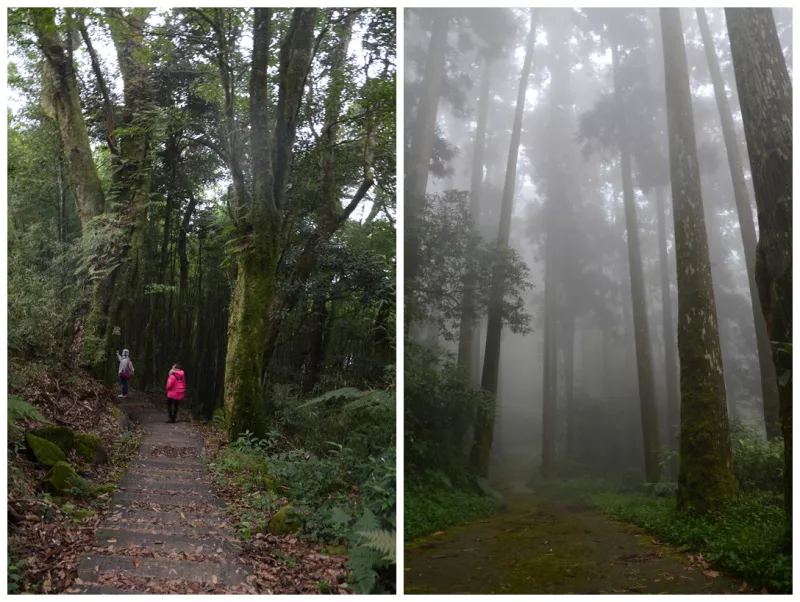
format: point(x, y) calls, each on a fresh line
point(125, 371)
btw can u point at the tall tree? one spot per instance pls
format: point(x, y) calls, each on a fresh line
point(644, 359)
point(769, 383)
point(705, 479)
point(423, 134)
point(484, 428)
point(765, 97)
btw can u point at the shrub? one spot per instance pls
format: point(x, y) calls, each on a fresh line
point(757, 463)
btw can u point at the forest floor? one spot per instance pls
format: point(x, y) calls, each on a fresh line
point(536, 545)
point(168, 532)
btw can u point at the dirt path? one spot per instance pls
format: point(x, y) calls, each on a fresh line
point(166, 530)
point(539, 546)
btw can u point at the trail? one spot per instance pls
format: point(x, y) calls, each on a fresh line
point(541, 546)
point(166, 530)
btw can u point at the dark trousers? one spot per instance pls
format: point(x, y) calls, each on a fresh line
point(172, 408)
point(124, 382)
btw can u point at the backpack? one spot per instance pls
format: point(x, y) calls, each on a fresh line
point(128, 370)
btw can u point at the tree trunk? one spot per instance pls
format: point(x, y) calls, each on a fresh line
point(419, 156)
point(61, 100)
point(466, 338)
point(705, 479)
point(644, 360)
point(769, 382)
point(670, 347)
point(484, 428)
point(765, 96)
point(316, 348)
point(569, 380)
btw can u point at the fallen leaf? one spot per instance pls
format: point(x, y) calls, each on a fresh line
point(764, 590)
point(112, 540)
point(136, 563)
point(744, 587)
point(440, 533)
point(711, 574)
point(214, 579)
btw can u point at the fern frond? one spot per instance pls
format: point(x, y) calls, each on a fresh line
point(381, 541)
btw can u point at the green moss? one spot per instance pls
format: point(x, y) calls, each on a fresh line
point(63, 477)
point(84, 512)
point(335, 550)
point(45, 452)
point(68, 508)
point(63, 437)
point(285, 520)
point(569, 565)
point(116, 412)
point(90, 448)
point(271, 484)
point(101, 489)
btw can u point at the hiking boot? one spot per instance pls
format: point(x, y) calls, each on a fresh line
point(120, 395)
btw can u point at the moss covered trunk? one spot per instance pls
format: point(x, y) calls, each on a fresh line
point(765, 97)
point(769, 382)
point(484, 426)
point(705, 478)
point(644, 353)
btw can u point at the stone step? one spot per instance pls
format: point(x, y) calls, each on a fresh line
point(166, 476)
point(201, 531)
point(99, 590)
point(93, 566)
point(181, 517)
point(126, 497)
point(166, 543)
point(169, 464)
point(141, 484)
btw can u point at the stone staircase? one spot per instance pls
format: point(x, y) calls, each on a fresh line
point(166, 530)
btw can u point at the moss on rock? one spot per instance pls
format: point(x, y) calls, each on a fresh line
point(91, 449)
point(84, 512)
point(63, 437)
point(63, 477)
point(45, 452)
point(285, 520)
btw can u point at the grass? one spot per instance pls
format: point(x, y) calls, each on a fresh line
point(429, 509)
point(746, 538)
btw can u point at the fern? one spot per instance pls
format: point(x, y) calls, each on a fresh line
point(19, 408)
point(384, 542)
point(374, 549)
point(347, 393)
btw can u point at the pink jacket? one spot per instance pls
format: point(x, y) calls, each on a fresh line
point(176, 385)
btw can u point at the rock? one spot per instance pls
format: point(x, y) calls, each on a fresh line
point(62, 477)
point(285, 520)
point(63, 437)
point(123, 420)
point(45, 452)
point(91, 449)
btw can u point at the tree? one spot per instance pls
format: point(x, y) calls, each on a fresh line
point(705, 478)
point(765, 97)
point(484, 429)
point(769, 384)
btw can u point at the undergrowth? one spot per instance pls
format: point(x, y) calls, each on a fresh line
point(430, 508)
point(745, 538)
point(339, 493)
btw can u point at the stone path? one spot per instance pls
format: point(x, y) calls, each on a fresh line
point(165, 522)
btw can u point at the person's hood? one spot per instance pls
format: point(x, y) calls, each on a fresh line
point(125, 353)
point(178, 373)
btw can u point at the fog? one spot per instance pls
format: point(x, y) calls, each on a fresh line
point(568, 209)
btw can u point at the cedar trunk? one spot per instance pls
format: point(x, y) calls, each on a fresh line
point(705, 478)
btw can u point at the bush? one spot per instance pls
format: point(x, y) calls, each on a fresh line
point(440, 410)
point(757, 463)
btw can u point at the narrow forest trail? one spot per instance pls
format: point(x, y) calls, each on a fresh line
point(543, 546)
point(166, 531)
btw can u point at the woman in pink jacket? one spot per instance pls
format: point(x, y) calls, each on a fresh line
point(176, 388)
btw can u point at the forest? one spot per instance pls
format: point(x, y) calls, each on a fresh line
point(212, 190)
point(598, 273)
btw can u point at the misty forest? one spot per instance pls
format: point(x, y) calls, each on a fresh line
point(201, 207)
point(598, 293)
